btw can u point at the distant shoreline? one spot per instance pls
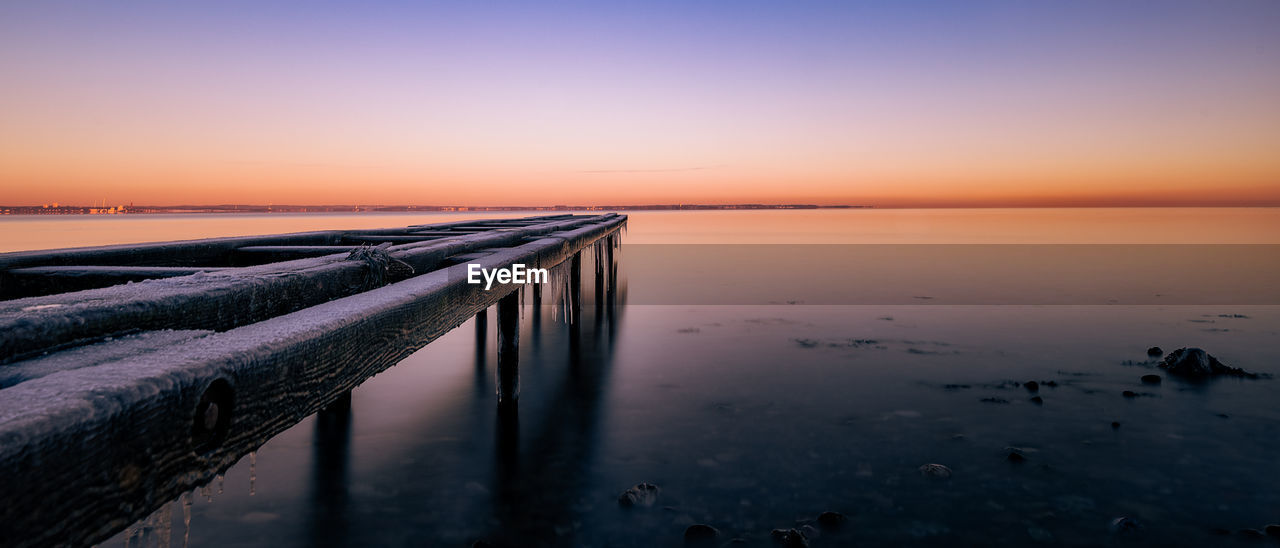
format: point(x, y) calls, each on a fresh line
point(135, 210)
point(230, 209)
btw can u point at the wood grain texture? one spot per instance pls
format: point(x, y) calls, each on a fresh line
point(85, 452)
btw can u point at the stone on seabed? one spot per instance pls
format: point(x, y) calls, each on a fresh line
point(1196, 363)
point(935, 471)
point(642, 494)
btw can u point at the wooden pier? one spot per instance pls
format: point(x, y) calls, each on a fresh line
point(132, 373)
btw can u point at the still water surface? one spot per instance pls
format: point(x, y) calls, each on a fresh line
point(752, 417)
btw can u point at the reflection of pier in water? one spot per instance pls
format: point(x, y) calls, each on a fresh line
point(270, 374)
point(532, 480)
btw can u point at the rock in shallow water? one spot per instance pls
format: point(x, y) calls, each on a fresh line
point(1123, 525)
point(643, 494)
point(1197, 364)
point(1031, 386)
point(1151, 379)
point(1155, 352)
point(937, 471)
point(831, 521)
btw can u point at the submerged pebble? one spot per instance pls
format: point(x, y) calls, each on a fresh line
point(700, 533)
point(935, 471)
point(1124, 524)
point(1151, 379)
point(1115, 425)
point(1129, 394)
point(642, 494)
point(1155, 352)
point(1037, 400)
point(1031, 386)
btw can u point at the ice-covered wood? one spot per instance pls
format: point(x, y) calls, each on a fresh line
point(44, 280)
point(86, 451)
point(90, 355)
point(227, 299)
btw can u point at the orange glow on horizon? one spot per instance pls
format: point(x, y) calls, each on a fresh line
point(1072, 104)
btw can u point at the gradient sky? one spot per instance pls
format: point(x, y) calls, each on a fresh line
point(898, 103)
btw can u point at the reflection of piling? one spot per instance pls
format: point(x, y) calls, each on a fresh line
point(599, 279)
point(330, 461)
point(506, 447)
point(509, 349)
point(575, 297)
point(482, 337)
point(537, 308)
point(611, 286)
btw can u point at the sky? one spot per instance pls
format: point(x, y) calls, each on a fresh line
point(894, 104)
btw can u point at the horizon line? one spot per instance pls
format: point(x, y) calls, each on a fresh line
point(231, 207)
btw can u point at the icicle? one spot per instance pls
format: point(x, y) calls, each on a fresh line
point(206, 493)
point(166, 524)
point(130, 533)
point(185, 499)
point(253, 472)
point(220, 479)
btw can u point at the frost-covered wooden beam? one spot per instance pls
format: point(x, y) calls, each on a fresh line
point(208, 252)
point(227, 299)
point(260, 254)
point(86, 451)
point(54, 279)
point(393, 238)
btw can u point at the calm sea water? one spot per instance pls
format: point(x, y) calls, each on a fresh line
point(752, 416)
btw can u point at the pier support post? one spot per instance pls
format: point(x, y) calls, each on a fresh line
point(537, 308)
point(482, 332)
point(575, 288)
point(599, 279)
point(509, 349)
point(611, 287)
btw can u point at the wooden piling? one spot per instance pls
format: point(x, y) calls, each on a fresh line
point(599, 282)
point(509, 349)
point(575, 297)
